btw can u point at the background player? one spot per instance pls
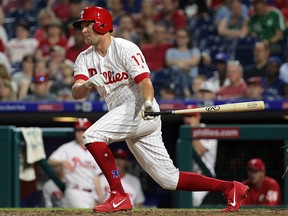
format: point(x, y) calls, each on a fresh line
point(264, 190)
point(205, 148)
point(80, 169)
point(117, 69)
point(131, 184)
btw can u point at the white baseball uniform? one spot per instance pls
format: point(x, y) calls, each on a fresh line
point(209, 159)
point(131, 184)
point(80, 184)
point(124, 67)
point(53, 196)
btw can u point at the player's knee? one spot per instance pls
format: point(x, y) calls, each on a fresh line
point(90, 136)
point(167, 185)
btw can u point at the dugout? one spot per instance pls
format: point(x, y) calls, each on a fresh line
point(259, 138)
point(11, 141)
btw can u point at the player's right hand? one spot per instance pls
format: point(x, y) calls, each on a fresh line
point(97, 80)
point(149, 106)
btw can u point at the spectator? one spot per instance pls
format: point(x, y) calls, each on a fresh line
point(206, 150)
point(45, 18)
point(264, 190)
point(147, 12)
point(206, 91)
point(5, 61)
point(3, 32)
point(53, 196)
point(236, 24)
point(116, 11)
point(131, 183)
point(7, 92)
point(267, 24)
point(78, 46)
point(23, 78)
point(170, 16)
point(273, 85)
point(261, 54)
point(183, 57)
point(60, 8)
point(255, 88)
point(54, 59)
point(223, 12)
point(154, 53)
point(22, 45)
point(80, 169)
point(54, 33)
point(126, 29)
point(196, 85)
point(63, 88)
point(237, 87)
point(219, 75)
point(168, 92)
point(40, 88)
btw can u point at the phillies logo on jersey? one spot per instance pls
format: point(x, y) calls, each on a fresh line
point(113, 77)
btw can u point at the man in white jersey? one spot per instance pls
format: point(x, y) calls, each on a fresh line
point(80, 169)
point(117, 69)
point(131, 184)
point(206, 149)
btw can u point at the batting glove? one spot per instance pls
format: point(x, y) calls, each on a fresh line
point(149, 106)
point(96, 80)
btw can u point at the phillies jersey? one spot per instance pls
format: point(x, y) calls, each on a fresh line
point(267, 194)
point(123, 66)
point(131, 184)
point(85, 167)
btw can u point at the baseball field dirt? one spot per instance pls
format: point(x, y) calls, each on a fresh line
point(141, 212)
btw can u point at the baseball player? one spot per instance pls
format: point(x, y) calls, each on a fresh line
point(80, 169)
point(264, 190)
point(131, 184)
point(205, 148)
point(117, 69)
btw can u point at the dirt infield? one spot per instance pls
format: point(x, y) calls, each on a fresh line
point(141, 212)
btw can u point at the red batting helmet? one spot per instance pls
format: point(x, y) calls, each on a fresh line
point(101, 17)
point(82, 124)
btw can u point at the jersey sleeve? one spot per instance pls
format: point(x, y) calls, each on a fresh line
point(135, 63)
point(80, 68)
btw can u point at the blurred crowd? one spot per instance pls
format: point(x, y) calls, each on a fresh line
point(195, 49)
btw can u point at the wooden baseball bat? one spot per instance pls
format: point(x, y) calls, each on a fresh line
point(233, 107)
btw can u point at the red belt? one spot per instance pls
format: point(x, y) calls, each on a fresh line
point(80, 188)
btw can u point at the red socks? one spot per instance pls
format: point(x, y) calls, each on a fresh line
point(105, 160)
point(190, 181)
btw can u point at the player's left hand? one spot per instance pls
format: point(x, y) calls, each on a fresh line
point(149, 106)
point(96, 80)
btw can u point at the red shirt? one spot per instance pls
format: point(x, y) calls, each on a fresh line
point(230, 92)
point(267, 194)
point(45, 45)
point(178, 19)
point(74, 51)
point(155, 55)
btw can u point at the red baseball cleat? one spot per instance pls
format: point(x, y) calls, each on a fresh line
point(116, 202)
point(235, 196)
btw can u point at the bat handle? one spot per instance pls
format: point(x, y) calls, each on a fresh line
point(166, 112)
